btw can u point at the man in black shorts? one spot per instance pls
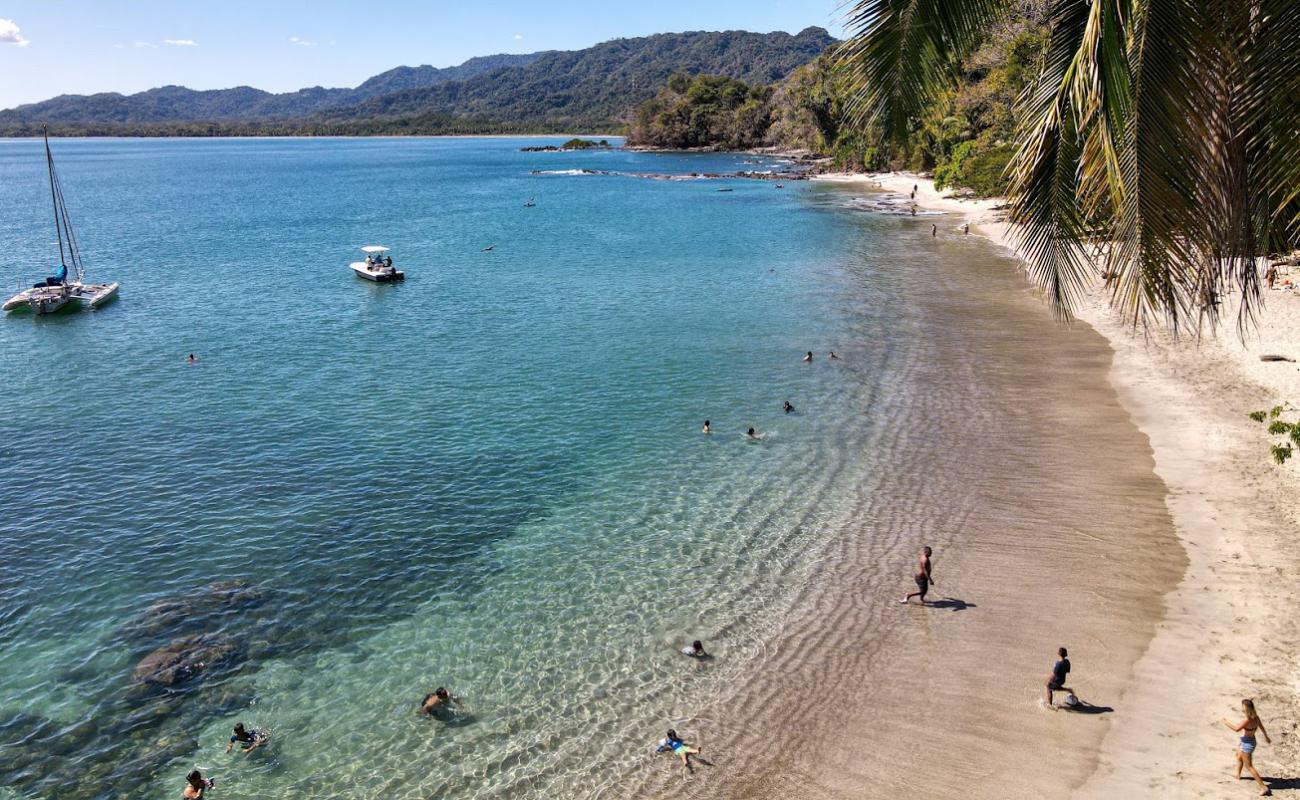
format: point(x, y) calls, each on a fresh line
point(923, 577)
point(1056, 681)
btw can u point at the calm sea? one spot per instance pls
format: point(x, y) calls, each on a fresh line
point(490, 477)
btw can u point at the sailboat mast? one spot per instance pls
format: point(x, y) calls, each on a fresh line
point(54, 196)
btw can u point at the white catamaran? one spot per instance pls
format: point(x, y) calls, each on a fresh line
point(57, 291)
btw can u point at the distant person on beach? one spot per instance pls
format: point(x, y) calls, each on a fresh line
point(251, 740)
point(966, 229)
point(696, 650)
point(1056, 681)
point(923, 577)
point(674, 744)
point(1270, 275)
point(1246, 748)
point(707, 429)
point(934, 230)
point(191, 359)
point(914, 209)
point(437, 701)
point(787, 407)
point(807, 358)
point(914, 188)
point(196, 785)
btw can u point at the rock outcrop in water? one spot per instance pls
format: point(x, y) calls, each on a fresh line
point(173, 613)
point(184, 658)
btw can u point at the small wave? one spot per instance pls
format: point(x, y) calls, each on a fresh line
point(564, 172)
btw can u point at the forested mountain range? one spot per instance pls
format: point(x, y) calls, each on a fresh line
point(592, 89)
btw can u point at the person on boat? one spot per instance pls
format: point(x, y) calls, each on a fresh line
point(674, 744)
point(388, 262)
point(59, 278)
point(196, 785)
point(437, 701)
point(250, 740)
point(787, 407)
point(370, 260)
point(707, 429)
point(1246, 748)
point(696, 650)
point(807, 358)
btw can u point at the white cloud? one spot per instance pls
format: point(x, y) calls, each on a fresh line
point(9, 33)
point(301, 42)
point(142, 45)
point(181, 42)
point(518, 36)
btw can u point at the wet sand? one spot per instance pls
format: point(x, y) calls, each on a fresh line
point(1022, 468)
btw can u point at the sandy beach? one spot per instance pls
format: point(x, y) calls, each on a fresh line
point(1226, 631)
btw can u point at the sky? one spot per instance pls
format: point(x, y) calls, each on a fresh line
point(53, 47)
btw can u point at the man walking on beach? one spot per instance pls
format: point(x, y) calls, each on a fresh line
point(923, 577)
point(1056, 681)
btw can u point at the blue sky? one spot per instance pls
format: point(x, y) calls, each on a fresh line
point(51, 47)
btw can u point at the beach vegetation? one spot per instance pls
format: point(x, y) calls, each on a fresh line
point(1281, 452)
point(1295, 434)
point(1276, 412)
point(1259, 416)
point(1278, 427)
point(1169, 130)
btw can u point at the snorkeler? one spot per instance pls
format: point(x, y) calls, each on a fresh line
point(250, 739)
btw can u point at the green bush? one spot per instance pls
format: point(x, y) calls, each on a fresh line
point(1276, 412)
point(1277, 426)
point(1281, 452)
point(1295, 434)
point(1259, 416)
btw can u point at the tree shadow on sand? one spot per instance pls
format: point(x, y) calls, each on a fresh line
point(950, 603)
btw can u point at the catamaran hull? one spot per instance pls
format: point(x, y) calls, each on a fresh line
point(47, 300)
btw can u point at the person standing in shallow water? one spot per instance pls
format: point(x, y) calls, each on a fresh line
point(1245, 752)
point(1056, 681)
point(923, 577)
point(196, 785)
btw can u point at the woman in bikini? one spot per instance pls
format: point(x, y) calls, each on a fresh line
point(1246, 749)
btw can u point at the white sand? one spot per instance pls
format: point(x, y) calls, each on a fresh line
point(1230, 629)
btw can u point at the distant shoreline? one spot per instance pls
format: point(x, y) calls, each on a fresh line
point(330, 136)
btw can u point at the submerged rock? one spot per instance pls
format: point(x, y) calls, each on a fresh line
point(184, 658)
point(174, 612)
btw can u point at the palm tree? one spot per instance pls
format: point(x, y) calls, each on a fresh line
point(1169, 130)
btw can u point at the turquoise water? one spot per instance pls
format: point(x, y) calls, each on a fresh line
point(490, 477)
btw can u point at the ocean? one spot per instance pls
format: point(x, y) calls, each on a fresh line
point(490, 477)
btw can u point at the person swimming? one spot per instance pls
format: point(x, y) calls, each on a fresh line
point(833, 357)
point(807, 359)
point(250, 739)
point(753, 434)
point(707, 429)
point(696, 650)
point(196, 785)
point(191, 359)
point(436, 701)
point(674, 744)
point(787, 407)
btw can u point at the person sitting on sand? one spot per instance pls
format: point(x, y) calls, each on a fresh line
point(196, 785)
point(696, 650)
point(1246, 748)
point(707, 429)
point(923, 577)
point(672, 742)
point(191, 359)
point(250, 739)
point(787, 407)
point(752, 434)
point(437, 701)
point(807, 359)
point(1056, 681)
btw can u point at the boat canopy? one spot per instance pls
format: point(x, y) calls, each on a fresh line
point(374, 248)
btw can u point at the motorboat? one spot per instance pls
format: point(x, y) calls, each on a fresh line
point(377, 267)
point(67, 285)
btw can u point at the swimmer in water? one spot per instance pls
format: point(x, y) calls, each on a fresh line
point(753, 435)
point(832, 356)
point(251, 740)
point(191, 359)
point(673, 743)
point(439, 700)
point(196, 785)
point(707, 429)
point(787, 407)
point(696, 650)
point(807, 358)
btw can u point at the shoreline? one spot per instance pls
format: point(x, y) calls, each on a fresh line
point(1224, 632)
